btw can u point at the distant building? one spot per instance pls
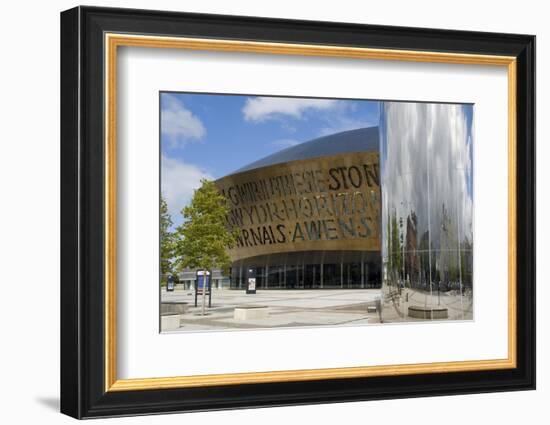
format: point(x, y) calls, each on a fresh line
point(188, 278)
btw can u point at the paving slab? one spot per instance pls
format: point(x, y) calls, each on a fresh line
point(300, 308)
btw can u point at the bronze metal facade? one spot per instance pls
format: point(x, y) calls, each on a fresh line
point(308, 223)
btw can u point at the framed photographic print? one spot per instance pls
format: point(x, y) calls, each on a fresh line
point(261, 212)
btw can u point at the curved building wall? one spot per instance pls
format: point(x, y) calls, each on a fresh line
point(427, 209)
point(311, 270)
point(311, 222)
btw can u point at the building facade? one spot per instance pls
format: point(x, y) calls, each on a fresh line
point(308, 216)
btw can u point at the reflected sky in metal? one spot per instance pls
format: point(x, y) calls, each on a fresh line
point(426, 165)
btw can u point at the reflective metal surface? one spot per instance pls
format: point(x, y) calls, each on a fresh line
point(427, 211)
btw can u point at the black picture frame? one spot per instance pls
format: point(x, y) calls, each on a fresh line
point(83, 392)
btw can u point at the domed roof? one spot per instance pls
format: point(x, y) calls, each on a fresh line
point(359, 140)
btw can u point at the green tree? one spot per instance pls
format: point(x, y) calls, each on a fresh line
point(166, 240)
point(203, 238)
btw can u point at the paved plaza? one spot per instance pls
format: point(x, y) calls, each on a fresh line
point(286, 308)
point(304, 308)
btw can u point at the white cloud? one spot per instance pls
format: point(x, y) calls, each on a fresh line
point(178, 182)
point(343, 123)
point(285, 143)
point(260, 109)
point(179, 124)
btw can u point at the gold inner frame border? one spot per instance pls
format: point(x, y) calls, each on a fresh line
point(113, 40)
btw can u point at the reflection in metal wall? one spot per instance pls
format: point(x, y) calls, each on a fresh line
point(427, 211)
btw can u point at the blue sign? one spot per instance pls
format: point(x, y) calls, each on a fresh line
point(201, 278)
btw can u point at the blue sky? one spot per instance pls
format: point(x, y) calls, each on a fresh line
point(209, 136)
